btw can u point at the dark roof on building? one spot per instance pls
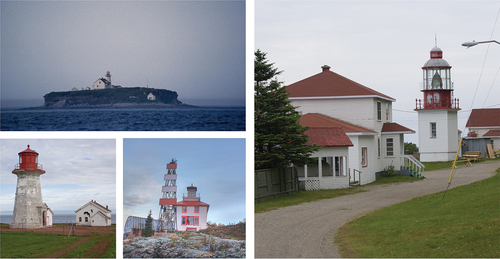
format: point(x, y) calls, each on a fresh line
point(392, 127)
point(316, 120)
point(484, 118)
point(492, 133)
point(328, 137)
point(330, 84)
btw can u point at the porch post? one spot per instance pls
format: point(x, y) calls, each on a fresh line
point(320, 168)
point(305, 171)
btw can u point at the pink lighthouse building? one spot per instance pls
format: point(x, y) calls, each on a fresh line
point(29, 209)
point(191, 211)
point(437, 111)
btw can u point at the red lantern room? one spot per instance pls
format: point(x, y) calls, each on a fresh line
point(28, 160)
point(437, 86)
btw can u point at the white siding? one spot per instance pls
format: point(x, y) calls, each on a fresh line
point(444, 146)
point(202, 217)
point(358, 111)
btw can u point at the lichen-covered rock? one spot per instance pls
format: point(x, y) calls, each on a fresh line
point(190, 245)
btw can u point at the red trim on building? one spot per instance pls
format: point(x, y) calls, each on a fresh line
point(165, 201)
point(192, 203)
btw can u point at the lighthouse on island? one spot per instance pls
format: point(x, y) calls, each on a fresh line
point(437, 111)
point(29, 209)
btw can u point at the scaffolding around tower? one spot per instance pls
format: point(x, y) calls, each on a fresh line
point(168, 216)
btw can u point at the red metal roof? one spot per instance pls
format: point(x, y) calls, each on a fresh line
point(484, 118)
point(192, 203)
point(316, 120)
point(328, 83)
point(328, 137)
point(394, 127)
point(492, 133)
point(28, 150)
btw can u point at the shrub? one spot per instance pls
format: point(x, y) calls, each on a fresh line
point(390, 170)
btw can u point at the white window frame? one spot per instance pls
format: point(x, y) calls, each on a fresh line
point(389, 147)
point(433, 132)
point(379, 110)
point(364, 156)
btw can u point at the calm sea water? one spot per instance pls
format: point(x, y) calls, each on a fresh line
point(172, 119)
point(58, 218)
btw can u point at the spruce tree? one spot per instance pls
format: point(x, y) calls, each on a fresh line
point(148, 228)
point(279, 138)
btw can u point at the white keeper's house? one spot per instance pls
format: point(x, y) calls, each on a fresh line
point(329, 100)
point(191, 211)
point(103, 82)
point(93, 214)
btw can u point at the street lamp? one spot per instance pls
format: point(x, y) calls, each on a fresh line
point(474, 43)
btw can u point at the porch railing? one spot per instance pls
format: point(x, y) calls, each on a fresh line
point(411, 164)
point(353, 180)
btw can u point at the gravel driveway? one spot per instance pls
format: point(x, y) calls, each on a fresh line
point(307, 230)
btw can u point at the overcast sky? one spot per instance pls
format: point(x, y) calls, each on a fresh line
point(196, 48)
point(215, 166)
point(76, 171)
point(384, 44)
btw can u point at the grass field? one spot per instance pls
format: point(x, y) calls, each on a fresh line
point(466, 223)
point(35, 245)
point(308, 196)
point(433, 166)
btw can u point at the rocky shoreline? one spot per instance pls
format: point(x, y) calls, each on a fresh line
point(114, 105)
point(186, 245)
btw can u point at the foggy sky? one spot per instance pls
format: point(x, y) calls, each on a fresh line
point(383, 45)
point(196, 48)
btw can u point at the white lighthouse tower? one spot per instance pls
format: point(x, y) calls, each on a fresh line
point(29, 209)
point(437, 112)
point(108, 77)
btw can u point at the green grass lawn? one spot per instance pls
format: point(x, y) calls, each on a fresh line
point(466, 223)
point(433, 166)
point(308, 196)
point(302, 197)
point(30, 244)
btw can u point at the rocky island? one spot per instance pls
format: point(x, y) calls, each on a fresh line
point(125, 97)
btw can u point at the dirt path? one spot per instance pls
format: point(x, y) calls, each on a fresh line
point(65, 250)
point(307, 230)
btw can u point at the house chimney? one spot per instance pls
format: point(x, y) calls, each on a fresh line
point(325, 68)
point(106, 206)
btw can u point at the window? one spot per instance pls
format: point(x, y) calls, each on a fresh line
point(389, 147)
point(387, 111)
point(378, 146)
point(379, 111)
point(190, 221)
point(364, 156)
point(433, 130)
point(340, 166)
point(86, 219)
point(184, 209)
point(196, 209)
point(80, 219)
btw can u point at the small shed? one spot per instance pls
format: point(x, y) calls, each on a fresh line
point(151, 97)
